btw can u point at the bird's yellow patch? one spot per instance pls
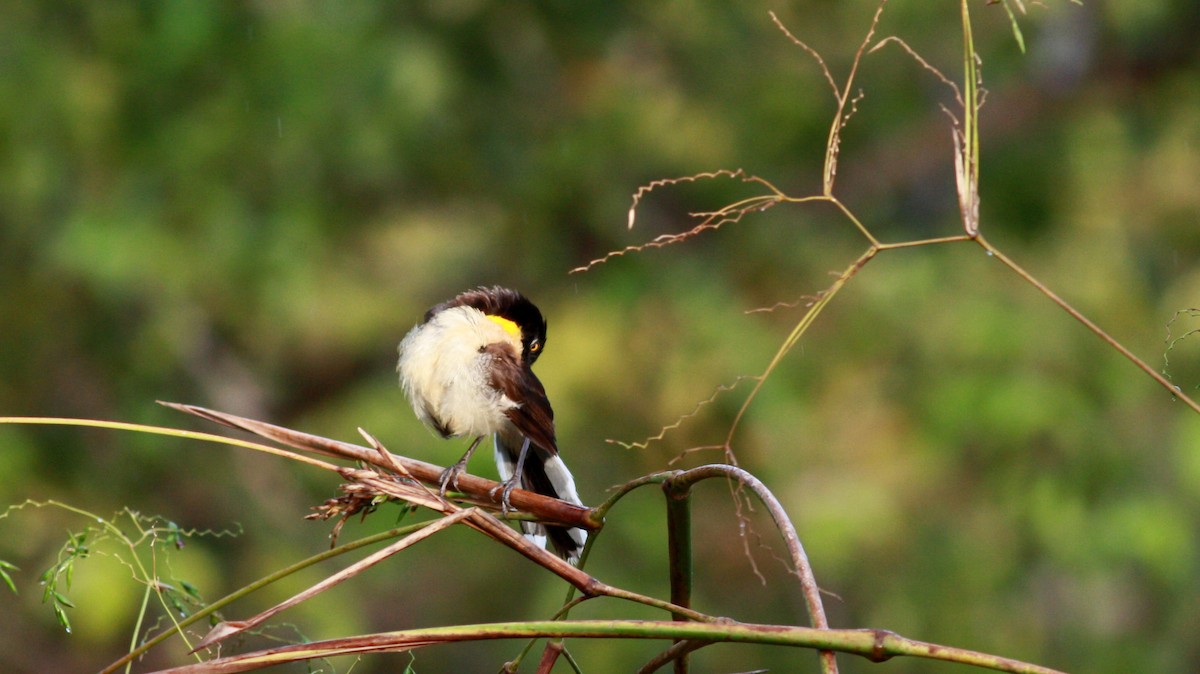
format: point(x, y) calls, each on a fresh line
point(509, 326)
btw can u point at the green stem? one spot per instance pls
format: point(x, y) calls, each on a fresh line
point(876, 645)
point(1096, 329)
point(679, 548)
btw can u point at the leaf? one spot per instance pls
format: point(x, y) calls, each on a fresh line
point(174, 535)
point(221, 631)
point(191, 590)
point(176, 603)
point(62, 617)
point(5, 567)
point(405, 510)
point(1016, 28)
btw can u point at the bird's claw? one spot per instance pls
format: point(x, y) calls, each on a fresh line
point(449, 478)
point(505, 489)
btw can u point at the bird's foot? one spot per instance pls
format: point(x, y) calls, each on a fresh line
point(505, 488)
point(449, 478)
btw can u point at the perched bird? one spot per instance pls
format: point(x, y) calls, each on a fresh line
point(467, 371)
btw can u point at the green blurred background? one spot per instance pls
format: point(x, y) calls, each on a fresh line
point(246, 205)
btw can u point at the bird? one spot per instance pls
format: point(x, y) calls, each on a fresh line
point(466, 369)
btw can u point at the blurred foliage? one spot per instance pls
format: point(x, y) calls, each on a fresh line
point(245, 206)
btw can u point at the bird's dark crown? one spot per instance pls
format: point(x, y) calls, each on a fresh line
point(505, 303)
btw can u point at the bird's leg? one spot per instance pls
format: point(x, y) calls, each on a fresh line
point(512, 482)
point(449, 477)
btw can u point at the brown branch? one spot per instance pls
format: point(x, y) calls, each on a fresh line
point(544, 508)
point(479, 490)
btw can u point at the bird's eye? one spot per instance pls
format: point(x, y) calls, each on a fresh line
point(535, 346)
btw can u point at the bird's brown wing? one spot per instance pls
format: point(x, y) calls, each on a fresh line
point(544, 472)
point(533, 415)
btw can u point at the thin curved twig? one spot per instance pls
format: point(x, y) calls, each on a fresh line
point(801, 566)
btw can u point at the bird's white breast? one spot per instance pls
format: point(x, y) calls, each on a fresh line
point(444, 372)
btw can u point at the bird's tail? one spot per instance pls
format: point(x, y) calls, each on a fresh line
point(546, 474)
